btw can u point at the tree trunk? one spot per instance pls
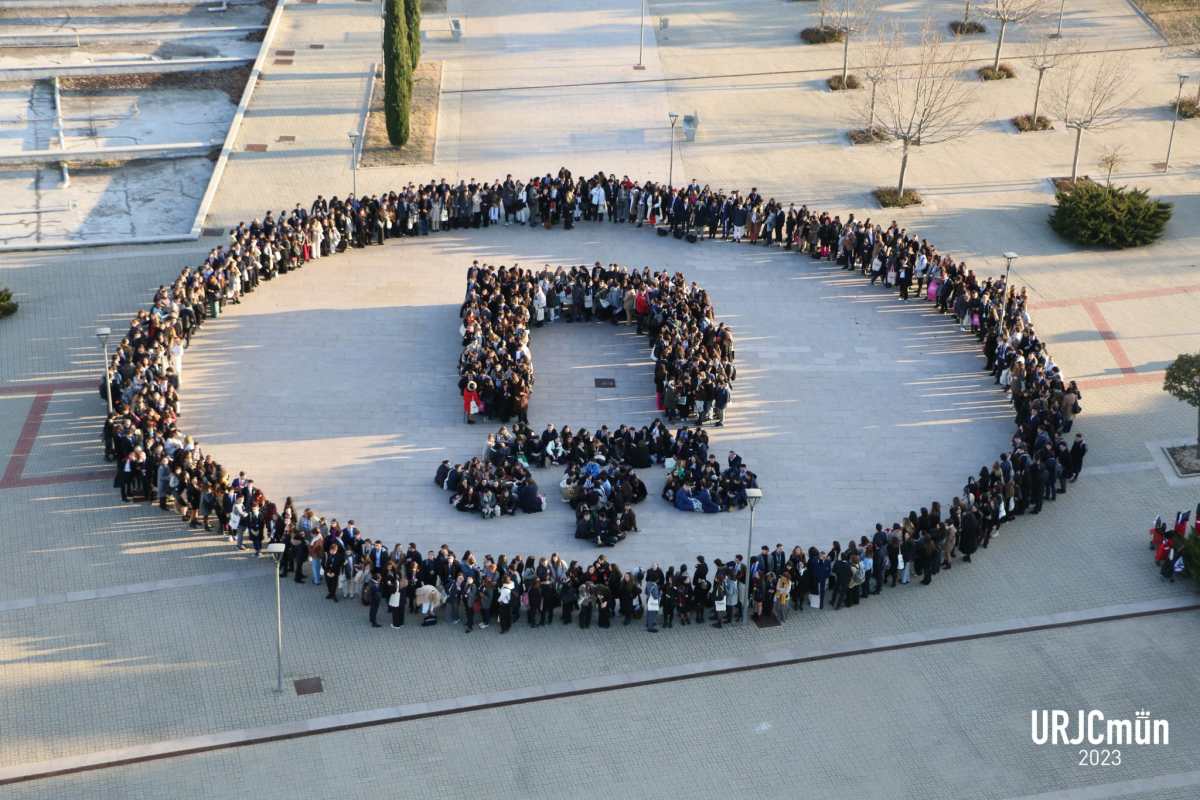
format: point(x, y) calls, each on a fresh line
point(1198, 438)
point(871, 121)
point(967, 13)
point(1037, 95)
point(845, 56)
point(1075, 160)
point(999, 43)
point(903, 169)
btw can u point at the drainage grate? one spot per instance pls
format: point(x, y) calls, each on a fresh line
point(283, 62)
point(286, 138)
point(606, 383)
point(316, 47)
point(212, 232)
point(308, 686)
point(256, 148)
point(285, 53)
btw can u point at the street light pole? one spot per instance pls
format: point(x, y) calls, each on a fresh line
point(752, 497)
point(671, 169)
point(354, 139)
point(102, 334)
point(641, 38)
point(1009, 257)
point(1171, 141)
point(275, 549)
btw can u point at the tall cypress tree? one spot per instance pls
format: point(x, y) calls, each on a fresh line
point(412, 14)
point(397, 72)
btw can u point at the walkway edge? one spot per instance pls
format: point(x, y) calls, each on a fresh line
point(173, 748)
point(235, 125)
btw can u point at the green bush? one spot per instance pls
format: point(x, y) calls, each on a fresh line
point(821, 35)
point(8, 306)
point(412, 19)
point(1111, 216)
point(397, 73)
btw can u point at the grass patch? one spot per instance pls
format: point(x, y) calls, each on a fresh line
point(888, 197)
point(868, 135)
point(852, 82)
point(377, 151)
point(1000, 73)
point(823, 35)
point(1025, 123)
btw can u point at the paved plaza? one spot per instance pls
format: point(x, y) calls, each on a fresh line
point(137, 656)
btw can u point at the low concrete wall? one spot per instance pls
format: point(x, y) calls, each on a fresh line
point(31, 72)
point(124, 153)
point(70, 38)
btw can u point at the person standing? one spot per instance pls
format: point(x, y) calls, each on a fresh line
point(504, 599)
point(653, 596)
point(1078, 451)
point(334, 562)
point(373, 588)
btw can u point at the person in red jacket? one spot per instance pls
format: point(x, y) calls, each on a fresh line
point(472, 405)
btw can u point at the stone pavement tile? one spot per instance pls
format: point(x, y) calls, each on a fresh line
point(946, 722)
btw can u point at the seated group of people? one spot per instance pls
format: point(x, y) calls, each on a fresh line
point(490, 488)
point(696, 482)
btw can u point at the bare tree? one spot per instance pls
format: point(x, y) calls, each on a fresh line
point(1008, 12)
point(1044, 55)
point(824, 10)
point(1089, 94)
point(927, 102)
point(851, 17)
point(878, 61)
point(1112, 158)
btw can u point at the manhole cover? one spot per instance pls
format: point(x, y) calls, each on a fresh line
point(309, 686)
point(606, 383)
point(767, 621)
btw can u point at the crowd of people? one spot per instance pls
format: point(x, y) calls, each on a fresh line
point(694, 363)
point(693, 353)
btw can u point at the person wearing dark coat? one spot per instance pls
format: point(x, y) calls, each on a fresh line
point(527, 497)
point(968, 534)
point(335, 561)
point(1078, 451)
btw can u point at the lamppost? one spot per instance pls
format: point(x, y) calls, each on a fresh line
point(1009, 257)
point(671, 170)
point(275, 550)
point(641, 38)
point(102, 334)
point(354, 139)
point(1182, 80)
point(752, 497)
point(1058, 33)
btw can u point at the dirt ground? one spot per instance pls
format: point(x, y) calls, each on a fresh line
point(230, 81)
point(1179, 20)
point(377, 150)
